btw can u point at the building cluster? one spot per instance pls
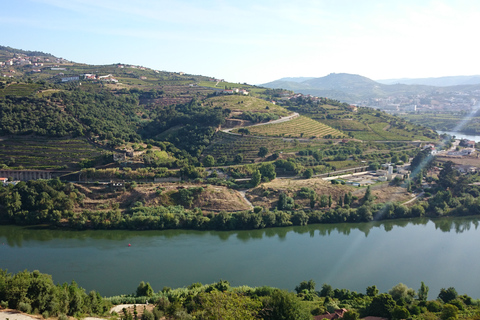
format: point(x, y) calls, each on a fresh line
point(19, 60)
point(425, 102)
point(234, 91)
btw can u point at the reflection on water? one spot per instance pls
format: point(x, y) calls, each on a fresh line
point(441, 252)
point(15, 235)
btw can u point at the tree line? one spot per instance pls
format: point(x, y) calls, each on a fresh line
point(34, 292)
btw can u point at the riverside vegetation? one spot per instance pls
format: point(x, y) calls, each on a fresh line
point(36, 293)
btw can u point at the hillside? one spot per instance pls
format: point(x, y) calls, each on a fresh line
point(137, 141)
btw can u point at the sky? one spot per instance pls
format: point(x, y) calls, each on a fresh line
point(255, 41)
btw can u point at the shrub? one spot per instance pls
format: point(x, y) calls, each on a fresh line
point(434, 306)
point(24, 307)
point(62, 317)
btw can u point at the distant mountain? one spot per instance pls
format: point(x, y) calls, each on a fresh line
point(438, 82)
point(344, 87)
point(296, 79)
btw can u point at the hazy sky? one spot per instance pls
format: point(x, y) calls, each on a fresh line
point(255, 41)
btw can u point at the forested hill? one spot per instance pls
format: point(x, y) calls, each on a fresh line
point(121, 108)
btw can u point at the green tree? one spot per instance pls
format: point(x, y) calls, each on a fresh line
point(323, 201)
point(400, 313)
point(447, 295)
point(263, 151)
point(368, 195)
point(307, 174)
point(238, 158)
point(351, 315)
point(449, 312)
point(144, 290)
point(447, 177)
point(327, 291)
point(283, 305)
point(423, 292)
point(372, 291)
point(305, 285)
point(382, 305)
point(209, 161)
point(268, 171)
point(401, 291)
point(256, 178)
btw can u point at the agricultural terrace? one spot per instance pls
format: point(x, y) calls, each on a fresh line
point(19, 89)
point(45, 152)
point(242, 103)
point(228, 145)
point(365, 123)
point(301, 127)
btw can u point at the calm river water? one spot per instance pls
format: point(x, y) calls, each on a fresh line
point(442, 253)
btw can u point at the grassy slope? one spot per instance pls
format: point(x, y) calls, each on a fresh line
point(242, 103)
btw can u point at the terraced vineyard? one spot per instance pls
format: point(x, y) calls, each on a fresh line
point(45, 152)
point(229, 145)
point(301, 127)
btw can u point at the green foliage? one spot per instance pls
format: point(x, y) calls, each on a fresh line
point(447, 295)
point(372, 291)
point(256, 178)
point(37, 201)
point(400, 313)
point(401, 291)
point(285, 202)
point(449, 312)
point(382, 306)
point(29, 291)
point(305, 285)
point(208, 161)
point(307, 174)
point(36, 116)
point(144, 289)
point(306, 193)
point(282, 305)
point(423, 292)
point(263, 151)
point(327, 291)
point(268, 171)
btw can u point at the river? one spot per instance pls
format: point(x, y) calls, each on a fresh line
point(459, 135)
point(442, 253)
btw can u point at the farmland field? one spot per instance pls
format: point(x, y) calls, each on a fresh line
point(229, 145)
point(301, 127)
point(44, 152)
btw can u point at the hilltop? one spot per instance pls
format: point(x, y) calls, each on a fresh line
point(345, 87)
